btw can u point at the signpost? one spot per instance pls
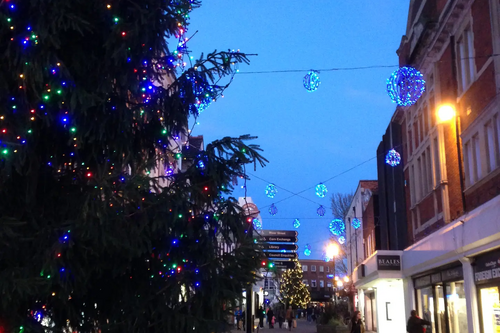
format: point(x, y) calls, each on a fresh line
point(287, 255)
point(278, 247)
point(282, 233)
point(284, 264)
point(274, 239)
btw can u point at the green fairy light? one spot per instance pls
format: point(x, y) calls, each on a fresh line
point(116, 19)
point(29, 131)
point(46, 97)
point(73, 129)
point(59, 92)
point(48, 276)
point(180, 216)
point(5, 151)
point(164, 131)
point(178, 155)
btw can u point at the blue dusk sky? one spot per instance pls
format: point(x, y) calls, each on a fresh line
point(308, 138)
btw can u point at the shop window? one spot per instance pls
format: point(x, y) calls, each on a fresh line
point(426, 306)
point(313, 268)
point(440, 309)
point(457, 307)
point(304, 268)
point(490, 308)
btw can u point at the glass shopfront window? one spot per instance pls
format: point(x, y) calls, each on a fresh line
point(441, 301)
point(490, 306)
point(426, 306)
point(457, 310)
point(487, 278)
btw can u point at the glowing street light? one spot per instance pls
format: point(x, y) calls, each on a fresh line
point(346, 279)
point(340, 284)
point(332, 251)
point(445, 113)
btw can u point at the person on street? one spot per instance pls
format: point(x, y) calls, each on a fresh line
point(309, 313)
point(356, 325)
point(289, 317)
point(281, 316)
point(416, 324)
point(261, 315)
point(243, 317)
point(270, 318)
point(237, 315)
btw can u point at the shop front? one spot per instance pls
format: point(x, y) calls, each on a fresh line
point(487, 279)
point(441, 299)
point(379, 282)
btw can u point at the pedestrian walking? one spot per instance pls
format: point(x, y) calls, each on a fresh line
point(270, 317)
point(281, 316)
point(356, 325)
point(416, 324)
point(289, 317)
point(261, 315)
point(309, 313)
point(237, 316)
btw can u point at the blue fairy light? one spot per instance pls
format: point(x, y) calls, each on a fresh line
point(311, 81)
point(356, 223)
point(321, 211)
point(337, 227)
point(273, 210)
point(321, 190)
point(341, 240)
point(271, 191)
point(257, 224)
point(405, 86)
point(296, 223)
point(393, 158)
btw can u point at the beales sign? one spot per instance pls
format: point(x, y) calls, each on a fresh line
point(388, 263)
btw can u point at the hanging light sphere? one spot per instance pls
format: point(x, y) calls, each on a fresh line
point(307, 250)
point(257, 224)
point(273, 210)
point(311, 81)
point(271, 191)
point(356, 223)
point(393, 158)
point(337, 227)
point(296, 223)
point(405, 86)
point(321, 190)
point(341, 240)
point(321, 211)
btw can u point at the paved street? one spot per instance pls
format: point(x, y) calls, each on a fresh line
point(302, 327)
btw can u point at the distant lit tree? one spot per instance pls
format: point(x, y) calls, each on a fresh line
point(293, 291)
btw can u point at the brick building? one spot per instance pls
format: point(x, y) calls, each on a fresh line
point(450, 270)
point(315, 276)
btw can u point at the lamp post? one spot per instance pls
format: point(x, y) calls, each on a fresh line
point(446, 113)
point(332, 251)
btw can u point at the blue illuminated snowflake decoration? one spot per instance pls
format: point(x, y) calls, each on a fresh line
point(405, 86)
point(321, 211)
point(337, 227)
point(307, 250)
point(326, 257)
point(296, 223)
point(321, 190)
point(271, 191)
point(311, 81)
point(257, 224)
point(273, 210)
point(356, 223)
point(341, 240)
point(393, 158)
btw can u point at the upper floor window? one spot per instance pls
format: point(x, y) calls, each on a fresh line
point(321, 269)
point(313, 283)
point(472, 160)
point(465, 58)
point(321, 284)
point(304, 268)
point(304, 282)
point(313, 268)
point(328, 269)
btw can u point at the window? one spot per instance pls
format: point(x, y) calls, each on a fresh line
point(321, 284)
point(436, 162)
point(465, 59)
point(472, 160)
point(313, 268)
point(304, 268)
point(328, 269)
point(313, 283)
point(304, 282)
point(329, 284)
point(492, 149)
point(321, 269)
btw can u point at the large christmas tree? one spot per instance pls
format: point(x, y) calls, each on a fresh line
point(100, 227)
point(293, 291)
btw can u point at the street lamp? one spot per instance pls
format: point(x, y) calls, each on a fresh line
point(445, 113)
point(332, 251)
